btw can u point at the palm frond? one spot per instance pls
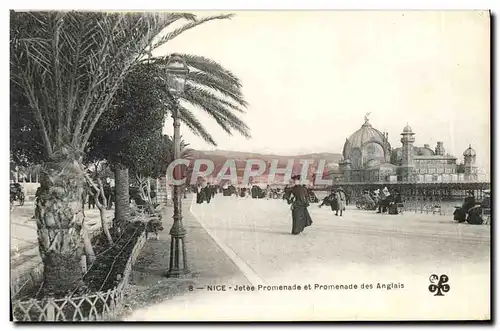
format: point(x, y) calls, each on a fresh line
point(207, 94)
point(206, 65)
point(223, 114)
point(195, 22)
point(224, 87)
point(208, 74)
point(214, 89)
point(195, 126)
point(70, 65)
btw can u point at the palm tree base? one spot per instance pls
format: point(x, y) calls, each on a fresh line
point(59, 273)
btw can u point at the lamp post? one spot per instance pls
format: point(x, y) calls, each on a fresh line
point(176, 74)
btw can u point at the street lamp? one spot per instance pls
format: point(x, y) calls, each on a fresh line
point(176, 72)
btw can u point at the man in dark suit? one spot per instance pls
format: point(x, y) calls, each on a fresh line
point(208, 193)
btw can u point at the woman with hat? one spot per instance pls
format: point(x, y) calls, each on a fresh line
point(298, 197)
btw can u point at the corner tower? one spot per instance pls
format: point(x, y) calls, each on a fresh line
point(470, 167)
point(407, 165)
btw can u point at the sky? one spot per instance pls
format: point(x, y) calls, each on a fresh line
point(311, 76)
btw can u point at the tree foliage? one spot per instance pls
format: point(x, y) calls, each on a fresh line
point(130, 133)
point(69, 65)
point(26, 145)
point(212, 89)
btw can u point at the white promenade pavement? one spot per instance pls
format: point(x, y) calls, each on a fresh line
point(360, 248)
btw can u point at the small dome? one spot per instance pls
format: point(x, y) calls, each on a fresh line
point(407, 129)
point(425, 151)
point(470, 152)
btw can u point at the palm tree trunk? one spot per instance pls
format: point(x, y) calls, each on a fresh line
point(122, 198)
point(60, 219)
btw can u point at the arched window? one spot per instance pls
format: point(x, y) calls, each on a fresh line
point(356, 160)
point(373, 153)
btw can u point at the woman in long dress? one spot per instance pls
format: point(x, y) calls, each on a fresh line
point(298, 198)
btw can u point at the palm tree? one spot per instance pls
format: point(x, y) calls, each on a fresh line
point(210, 88)
point(169, 147)
point(186, 153)
point(69, 65)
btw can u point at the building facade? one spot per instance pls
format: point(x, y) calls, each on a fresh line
point(369, 157)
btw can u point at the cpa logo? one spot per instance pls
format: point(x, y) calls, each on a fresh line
point(439, 284)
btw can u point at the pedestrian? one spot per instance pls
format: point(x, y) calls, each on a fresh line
point(384, 201)
point(329, 200)
point(268, 192)
point(368, 202)
point(460, 214)
point(91, 200)
point(107, 195)
point(208, 193)
point(340, 197)
point(286, 192)
point(200, 193)
point(254, 192)
point(298, 198)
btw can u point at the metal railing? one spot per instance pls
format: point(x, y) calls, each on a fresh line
point(430, 206)
point(88, 307)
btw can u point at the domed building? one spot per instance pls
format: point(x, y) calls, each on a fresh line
point(367, 147)
point(368, 157)
point(366, 154)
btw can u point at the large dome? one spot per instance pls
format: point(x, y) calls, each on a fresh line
point(366, 147)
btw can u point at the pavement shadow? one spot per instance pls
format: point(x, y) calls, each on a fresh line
point(206, 259)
